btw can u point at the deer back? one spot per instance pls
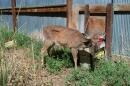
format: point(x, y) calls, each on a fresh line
point(65, 36)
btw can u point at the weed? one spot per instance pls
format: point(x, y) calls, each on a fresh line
point(5, 36)
point(22, 40)
point(37, 49)
point(107, 73)
point(59, 59)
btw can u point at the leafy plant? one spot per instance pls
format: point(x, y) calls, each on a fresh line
point(58, 59)
point(5, 36)
point(107, 73)
point(22, 40)
point(37, 49)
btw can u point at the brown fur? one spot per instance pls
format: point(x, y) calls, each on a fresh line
point(96, 25)
point(67, 37)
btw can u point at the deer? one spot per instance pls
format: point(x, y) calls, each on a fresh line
point(95, 30)
point(66, 37)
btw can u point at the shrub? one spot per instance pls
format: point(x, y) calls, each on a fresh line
point(22, 40)
point(107, 73)
point(58, 59)
point(5, 36)
point(37, 49)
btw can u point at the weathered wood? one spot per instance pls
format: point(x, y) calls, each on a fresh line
point(109, 20)
point(102, 8)
point(69, 13)
point(63, 8)
point(121, 7)
point(97, 9)
point(13, 2)
point(72, 15)
point(87, 14)
point(46, 9)
point(75, 16)
point(94, 8)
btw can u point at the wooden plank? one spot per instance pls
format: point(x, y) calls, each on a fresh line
point(102, 8)
point(87, 14)
point(94, 8)
point(75, 16)
point(121, 7)
point(63, 8)
point(56, 8)
point(97, 9)
point(109, 20)
point(13, 2)
point(69, 13)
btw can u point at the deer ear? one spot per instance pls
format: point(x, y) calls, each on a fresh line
point(86, 36)
point(88, 43)
point(83, 34)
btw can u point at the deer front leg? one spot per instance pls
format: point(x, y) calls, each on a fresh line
point(46, 45)
point(93, 56)
point(74, 54)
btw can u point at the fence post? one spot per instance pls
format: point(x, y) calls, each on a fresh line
point(109, 23)
point(87, 14)
point(69, 13)
point(13, 3)
point(72, 15)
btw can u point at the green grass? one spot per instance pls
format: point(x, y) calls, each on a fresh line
point(59, 59)
point(22, 41)
point(107, 73)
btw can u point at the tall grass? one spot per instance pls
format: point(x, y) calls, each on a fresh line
point(3, 69)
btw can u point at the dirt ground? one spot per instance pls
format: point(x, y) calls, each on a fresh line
point(24, 71)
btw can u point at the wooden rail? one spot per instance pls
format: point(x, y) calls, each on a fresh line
point(103, 8)
point(63, 8)
point(45, 9)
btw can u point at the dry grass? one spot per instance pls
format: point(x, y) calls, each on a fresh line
point(24, 71)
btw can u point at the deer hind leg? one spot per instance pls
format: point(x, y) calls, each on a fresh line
point(45, 48)
point(74, 54)
point(93, 56)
